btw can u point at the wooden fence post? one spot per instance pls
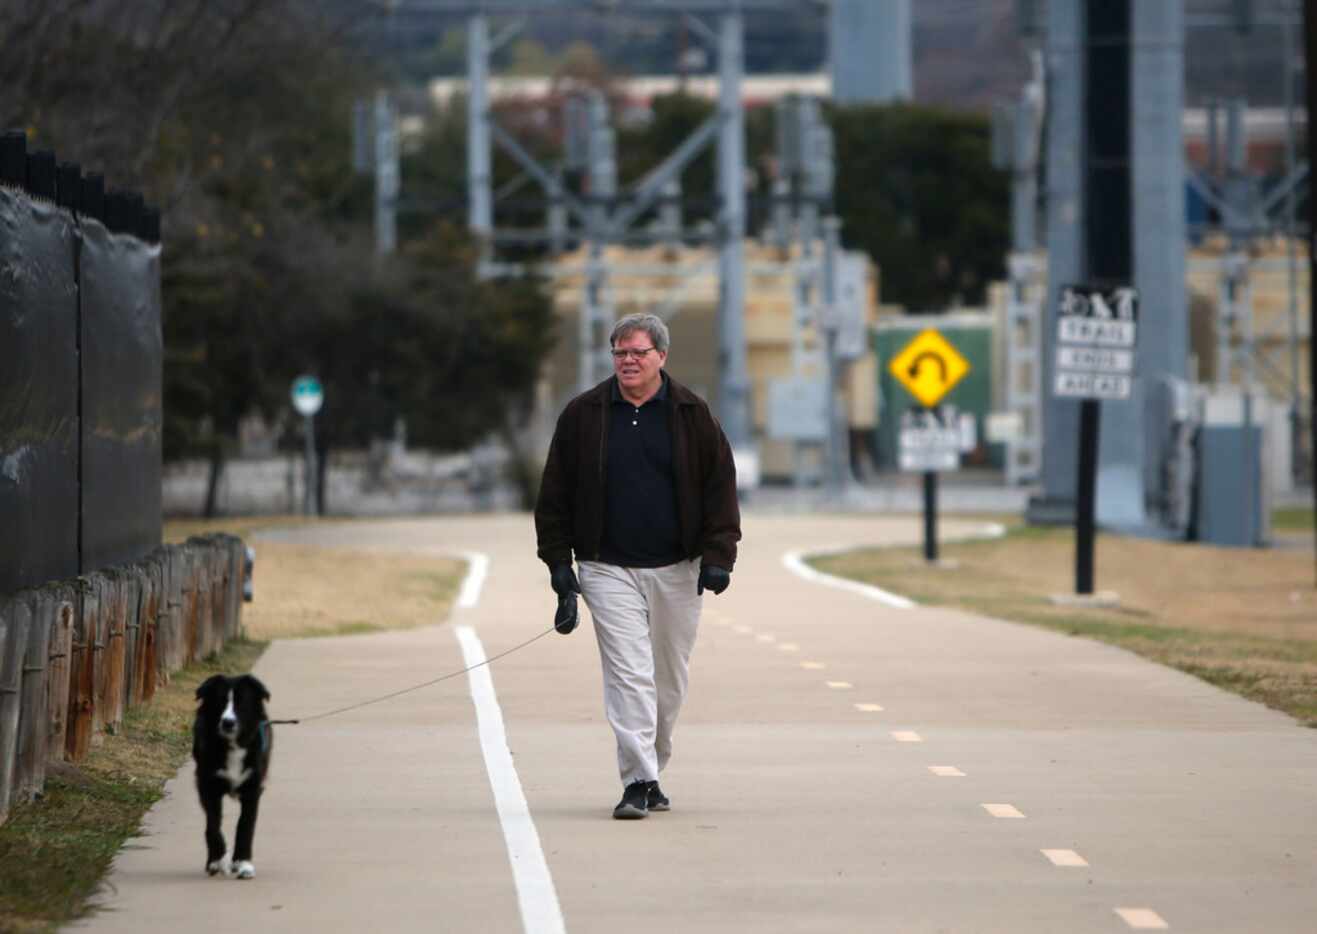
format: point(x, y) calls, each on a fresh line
point(82, 673)
point(59, 617)
point(131, 583)
point(219, 583)
point(114, 612)
point(148, 621)
point(34, 709)
point(167, 631)
point(100, 646)
point(237, 559)
point(194, 636)
point(15, 621)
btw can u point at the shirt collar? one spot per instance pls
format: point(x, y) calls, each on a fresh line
point(661, 395)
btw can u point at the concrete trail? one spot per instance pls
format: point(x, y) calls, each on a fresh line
point(842, 765)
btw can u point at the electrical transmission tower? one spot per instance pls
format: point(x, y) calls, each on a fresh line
point(607, 213)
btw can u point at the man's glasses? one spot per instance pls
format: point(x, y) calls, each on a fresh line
point(620, 355)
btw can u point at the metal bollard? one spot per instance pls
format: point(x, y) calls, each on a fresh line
point(248, 565)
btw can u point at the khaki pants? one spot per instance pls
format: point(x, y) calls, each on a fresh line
point(645, 620)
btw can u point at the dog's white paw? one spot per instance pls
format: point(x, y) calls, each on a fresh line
point(243, 869)
point(218, 867)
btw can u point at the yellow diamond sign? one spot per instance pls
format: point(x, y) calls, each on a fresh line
point(928, 367)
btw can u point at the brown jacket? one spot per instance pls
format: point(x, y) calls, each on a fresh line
point(569, 514)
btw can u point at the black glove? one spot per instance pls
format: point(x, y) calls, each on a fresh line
point(563, 579)
point(566, 618)
point(713, 578)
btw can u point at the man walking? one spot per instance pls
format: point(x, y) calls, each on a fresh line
point(640, 486)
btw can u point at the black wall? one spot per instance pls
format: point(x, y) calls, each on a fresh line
point(80, 393)
point(38, 393)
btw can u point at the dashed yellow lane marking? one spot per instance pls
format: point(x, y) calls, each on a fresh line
point(765, 637)
point(742, 629)
point(1065, 858)
point(813, 666)
point(839, 685)
point(946, 771)
point(788, 647)
point(869, 708)
point(1002, 810)
point(1142, 919)
point(906, 736)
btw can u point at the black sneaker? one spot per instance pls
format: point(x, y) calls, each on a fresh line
point(635, 802)
point(658, 801)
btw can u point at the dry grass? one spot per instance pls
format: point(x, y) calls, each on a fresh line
point(1244, 619)
point(301, 590)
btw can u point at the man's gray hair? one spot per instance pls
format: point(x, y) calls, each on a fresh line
point(651, 324)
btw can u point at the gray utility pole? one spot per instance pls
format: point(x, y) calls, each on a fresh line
point(806, 165)
point(1017, 140)
point(386, 175)
point(838, 459)
point(479, 155)
point(1066, 35)
point(869, 46)
point(1137, 436)
point(1292, 260)
point(1132, 440)
point(596, 318)
point(375, 150)
point(1233, 306)
point(734, 402)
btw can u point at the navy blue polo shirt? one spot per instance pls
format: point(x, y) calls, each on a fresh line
point(641, 529)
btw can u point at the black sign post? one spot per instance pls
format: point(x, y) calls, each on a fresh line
point(1096, 335)
point(1090, 413)
point(930, 441)
point(930, 516)
point(1108, 260)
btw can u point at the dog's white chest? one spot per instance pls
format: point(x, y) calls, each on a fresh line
point(233, 772)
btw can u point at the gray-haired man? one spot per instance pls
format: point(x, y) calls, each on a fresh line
point(640, 486)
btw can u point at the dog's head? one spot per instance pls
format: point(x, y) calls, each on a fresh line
point(236, 706)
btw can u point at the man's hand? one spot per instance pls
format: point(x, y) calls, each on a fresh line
point(563, 579)
point(713, 578)
point(567, 617)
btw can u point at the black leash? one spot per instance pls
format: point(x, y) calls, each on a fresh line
point(416, 687)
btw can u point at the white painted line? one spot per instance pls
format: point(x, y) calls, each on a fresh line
point(765, 637)
point(1002, 810)
point(742, 629)
point(788, 647)
point(1142, 919)
point(793, 562)
point(536, 896)
point(906, 736)
point(839, 685)
point(1065, 858)
point(813, 666)
point(469, 595)
point(868, 708)
point(946, 771)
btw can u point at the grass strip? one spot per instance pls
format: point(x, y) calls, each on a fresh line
point(55, 850)
point(1292, 519)
point(1244, 620)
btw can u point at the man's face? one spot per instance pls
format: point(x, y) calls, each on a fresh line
point(638, 373)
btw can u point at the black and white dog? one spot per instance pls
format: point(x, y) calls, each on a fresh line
point(231, 743)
